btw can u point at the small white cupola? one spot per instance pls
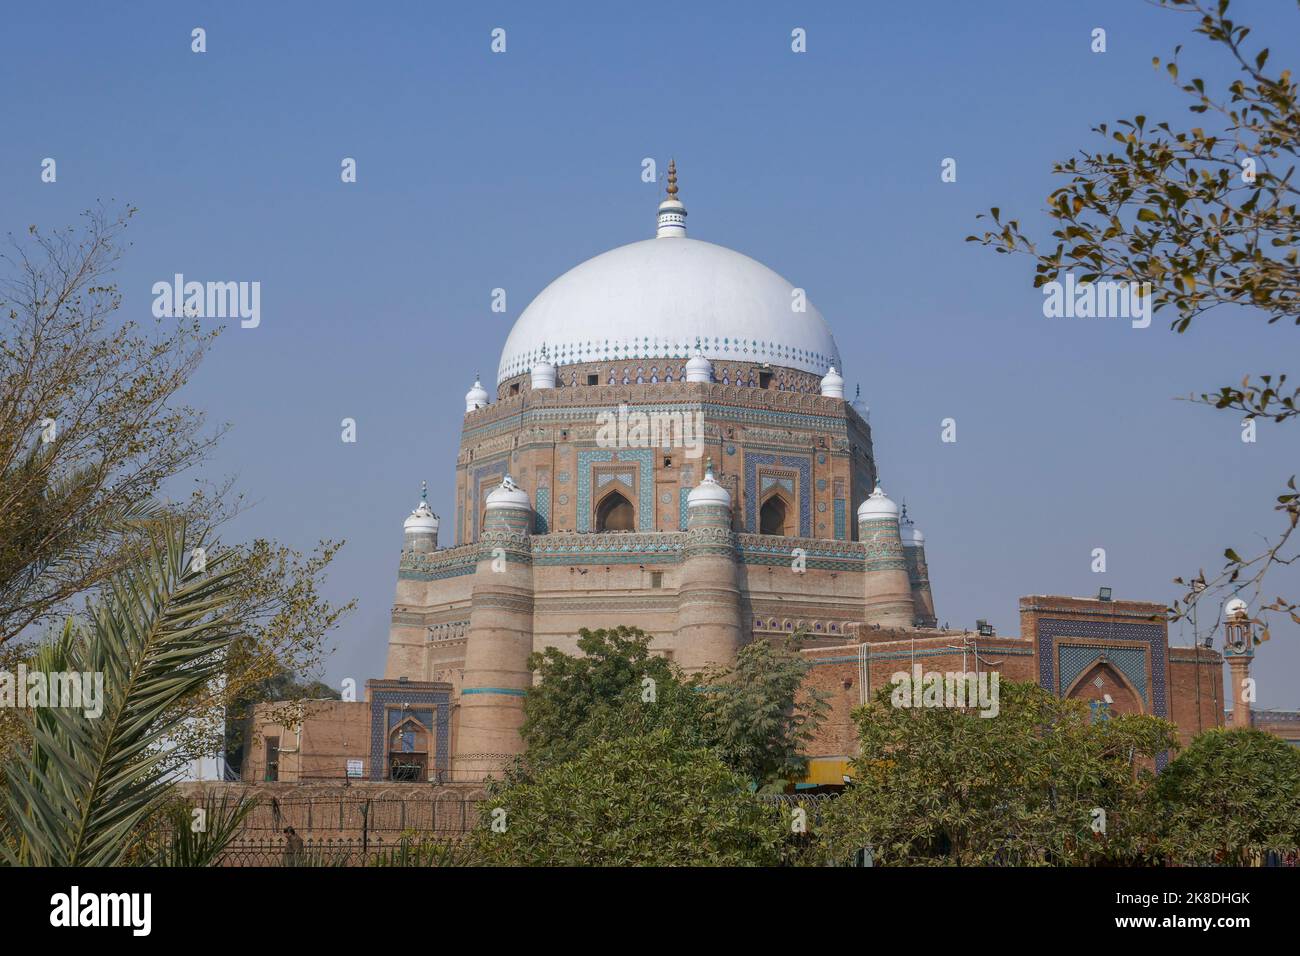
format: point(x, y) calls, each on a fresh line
point(421, 526)
point(909, 532)
point(833, 384)
point(507, 495)
point(699, 369)
point(860, 406)
point(878, 505)
point(543, 371)
point(476, 397)
point(708, 491)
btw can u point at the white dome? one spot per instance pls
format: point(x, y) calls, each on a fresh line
point(699, 369)
point(909, 532)
point(507, 495)
point(543, 374)
point(708, 492)
point(668, 298)
point(878, 505)
point(833, 384)
point(476, 397)
point(422, 519)
point(1236, 607)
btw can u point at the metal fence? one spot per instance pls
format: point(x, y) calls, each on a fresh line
point(321, 815)
point(422, 850)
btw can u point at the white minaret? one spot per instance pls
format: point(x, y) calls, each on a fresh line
point(421, 528)
point(888, 587)
point(543, 372)
point(476, 397)
point(672, 214)
point(699, 369)
point(860, 406)
point(833, 384)
point(918, 571)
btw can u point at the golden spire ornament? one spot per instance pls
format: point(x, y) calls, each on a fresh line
point(672, 214)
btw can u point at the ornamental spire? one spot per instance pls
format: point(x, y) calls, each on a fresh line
point(672, 214)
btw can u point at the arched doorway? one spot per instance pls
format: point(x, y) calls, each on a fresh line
point(771, 517)
point(1104, 683)
point(408, 751)
point(615, 513)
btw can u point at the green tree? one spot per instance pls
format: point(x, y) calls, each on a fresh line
point(1206, 215)
point(615, 688)
point(945, 786)
point(633, 801)
point(1230, 798)
point(760, 717)
point(93, 434)
point(753, 715)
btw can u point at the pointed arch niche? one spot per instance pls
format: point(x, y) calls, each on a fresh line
point(615, 512)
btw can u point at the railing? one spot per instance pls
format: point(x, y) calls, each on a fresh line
point(412, 851)
point(325, 814)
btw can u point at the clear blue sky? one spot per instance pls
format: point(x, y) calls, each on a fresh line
point(480, 170)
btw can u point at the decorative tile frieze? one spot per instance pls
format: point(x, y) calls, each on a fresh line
point(802, 464)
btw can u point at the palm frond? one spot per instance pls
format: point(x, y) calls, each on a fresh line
point(198, 835)
point(157, 634)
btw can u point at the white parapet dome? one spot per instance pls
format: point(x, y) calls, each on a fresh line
point(699, 369)
point(708, 492)
point(909, 532)
point(507, 495)
point(878, 505)
point(543, 374)
point(421, 521)
point(476, 397)
point(833, 384)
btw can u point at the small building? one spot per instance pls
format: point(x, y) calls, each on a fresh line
point(399, 733)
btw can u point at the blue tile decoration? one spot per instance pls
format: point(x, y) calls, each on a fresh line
point(1130, 661)
point(683, 513)
point(841, 524)
point(542, 510)
point(390, 700)
point(770, 480)
point(614, 547)
point(801, 463)
point(1152, 635)
point(497, 470)
point(644, 457)
point(577, 351)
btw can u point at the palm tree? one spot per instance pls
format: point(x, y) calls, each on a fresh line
point(81, 793)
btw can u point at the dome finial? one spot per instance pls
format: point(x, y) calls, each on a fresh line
point(424, 491)
point(672, 214)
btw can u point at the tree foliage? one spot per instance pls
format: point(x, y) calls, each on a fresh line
point(1207, 215)
point(603, 694)
point(945, 786)
point(642, 800)
point(753, 714)
point(80, 792)
point(1231, 797)
point(759, 714)
point(94, 434)
point(89, 425)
